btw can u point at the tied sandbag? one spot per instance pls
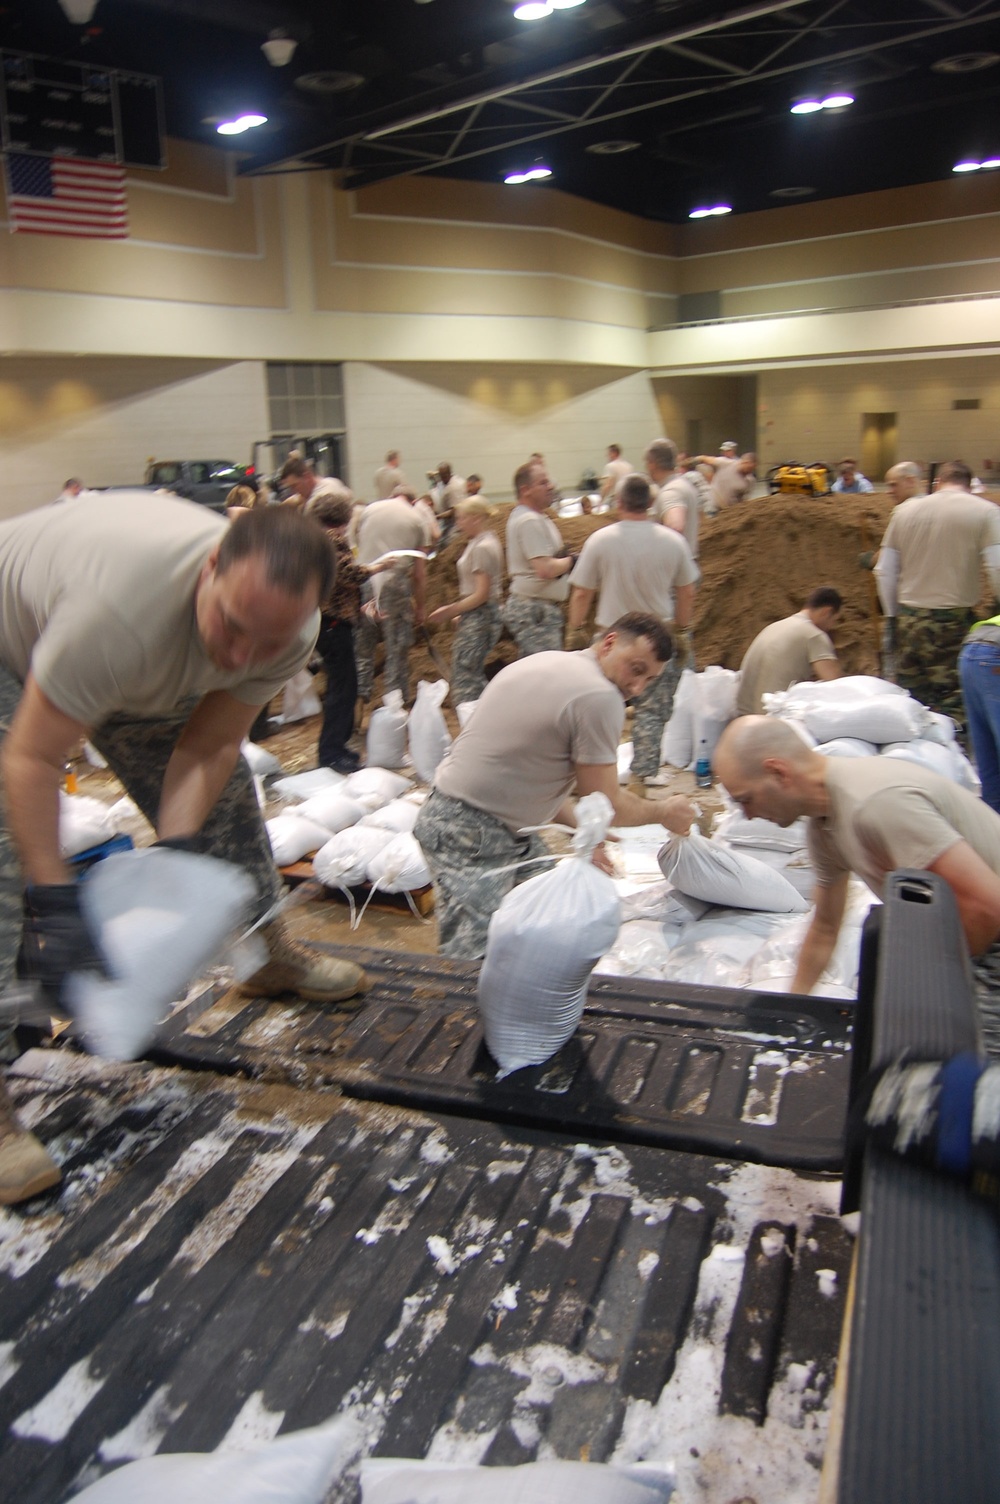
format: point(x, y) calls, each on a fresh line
point(158, 917)
point(401, 1480)
point(714, 707)
point(298, 1468)
point(736, 830)
point(343, 861)
point(845, 746)
point(293, 836)
point(852, 687)
point(259, 760)
point(677, 745)
point(940, 728)
point(399, 867)
point(83, 823)
point(429, 737)
point(299, 787)
point(374, 787)
point(948, 760)
point(385, 746)
point(399, 816)
point(333, 809)
point(299, 699)
point(544, 941)
point(711, 872)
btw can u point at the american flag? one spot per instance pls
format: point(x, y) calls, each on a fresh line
point(66, 196)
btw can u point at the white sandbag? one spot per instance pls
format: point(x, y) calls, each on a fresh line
point(736, 830)
point(464, 712)
point(343, 861)
point(401, 1480)
point(845, 746)
point(83, 822)
point(429, 737)
point(714, 707)
point(123, 811)
point(298, 1468)
point(374, 787)
point(642, 948)
point(398, 816)
point(710, 871)
point(94, 757)
point(940, 728)
point(707, 964)
point(853, 687)
point(159, 916)
point(946, 759)
point(677, 745)
point(293, 836)
point(625, 754)
point(773, 966)
point(334, 809)
point(299, 699)
point(385, 746)
point(544, 941)
point(260, 761)
point(302, 786)
point(399, 867)
point(881, 718)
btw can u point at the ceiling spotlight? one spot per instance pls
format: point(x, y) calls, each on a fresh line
point(707, 213)
point(829, 102)
point(991, 162)
point(279, 48)
point(530, 175)
point(78, 11)
point(967, 166)
point(533, 10)
point(966, 62)
point(837, 101)
point(806, 107)
point(240, 124)
point(564, 4)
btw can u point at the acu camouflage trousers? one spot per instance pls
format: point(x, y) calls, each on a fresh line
point(928, 643)
point(137, 751)
point(395, 602)
point(650, 713)
point(477, 633)
point(463, 848)
point(536, 626)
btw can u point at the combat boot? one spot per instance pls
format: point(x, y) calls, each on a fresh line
point(309, 974)
point(25, 1164)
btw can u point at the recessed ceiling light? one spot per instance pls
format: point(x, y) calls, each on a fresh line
point(806, 107)
point(533, 10)
point(238, 126)
point(969, 165)
point(564, 4)
point(837, 101)
point(966, 62)
point(797, 191)
point(707, 213)
point(991, 162)
point(529, 175)
point(611, 148)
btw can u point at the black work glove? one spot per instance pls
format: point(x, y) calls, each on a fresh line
point(55, 939)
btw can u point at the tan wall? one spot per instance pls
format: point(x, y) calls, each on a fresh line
point(102, 420)
point(817, 414)
point(488, 420)
point(700, 412)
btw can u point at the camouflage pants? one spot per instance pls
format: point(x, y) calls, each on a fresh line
point(650, 713)
point(463, 847)
point(137, 751)
point(986, 978)
point(395, 602)
point(477, 633)
point(927, 648)
point(536, 626)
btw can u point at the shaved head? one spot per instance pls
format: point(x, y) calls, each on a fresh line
point(770, 770)
point(752, 739)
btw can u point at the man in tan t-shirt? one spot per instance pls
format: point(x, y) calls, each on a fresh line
point(397, 601)
point(545, 726)
point(871, 816)
point(791, 650)
point(615, 472)
point(389, 476)
point(537, 563)
point(156, 629)
point(732, 480)
point(928, 575)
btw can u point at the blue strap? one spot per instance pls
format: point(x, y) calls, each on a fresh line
point(958, 1080)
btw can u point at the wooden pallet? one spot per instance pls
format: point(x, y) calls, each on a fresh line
point(423, 898)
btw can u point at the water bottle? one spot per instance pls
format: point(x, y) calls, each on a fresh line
point(703, 766)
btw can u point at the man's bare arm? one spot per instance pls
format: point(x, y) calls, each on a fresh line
point(547, 568)
point(201, 763)
point(580, 599)
point(977, 892)
point(683, 605)
point(821, 937)
point(827, 668)
point(675, 813)
point(675, 517)
point(35, 754)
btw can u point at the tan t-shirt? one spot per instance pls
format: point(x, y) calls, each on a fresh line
point(97, 597)
point(730, 484)
point(940, 539)
point(531, 535)
point(778, 657)
point(387, 478)
point(886, 814)
point(615, 471)
point(534, 721)
point(483, 555)
point(680, 492)
point(636, 566)
point(386, 525)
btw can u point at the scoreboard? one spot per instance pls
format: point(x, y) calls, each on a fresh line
point(53, 108)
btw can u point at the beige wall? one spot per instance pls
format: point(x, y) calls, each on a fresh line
point(488, 419)
point(102, 420)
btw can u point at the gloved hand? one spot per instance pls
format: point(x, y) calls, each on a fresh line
point(55, 939)
point(577, 638)
point(685, 646)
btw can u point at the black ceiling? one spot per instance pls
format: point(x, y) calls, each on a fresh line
point(462, 89)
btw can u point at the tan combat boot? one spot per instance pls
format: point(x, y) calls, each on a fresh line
point(307, 973)
point(25, 1165)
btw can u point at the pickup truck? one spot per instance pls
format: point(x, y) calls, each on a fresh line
point(208, 482)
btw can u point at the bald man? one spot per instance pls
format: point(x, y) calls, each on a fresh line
point(871, 816)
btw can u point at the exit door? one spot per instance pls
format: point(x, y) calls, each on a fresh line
point(878, 444)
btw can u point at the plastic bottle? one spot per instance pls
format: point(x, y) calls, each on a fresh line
point(703, 766)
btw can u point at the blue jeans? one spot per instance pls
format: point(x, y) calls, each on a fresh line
point(979, 671)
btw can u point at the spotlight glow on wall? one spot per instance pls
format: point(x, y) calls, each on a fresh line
point(530, 175)
point(707, 213)
point(830, 102)
point(238, 126)
point(971, 166)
